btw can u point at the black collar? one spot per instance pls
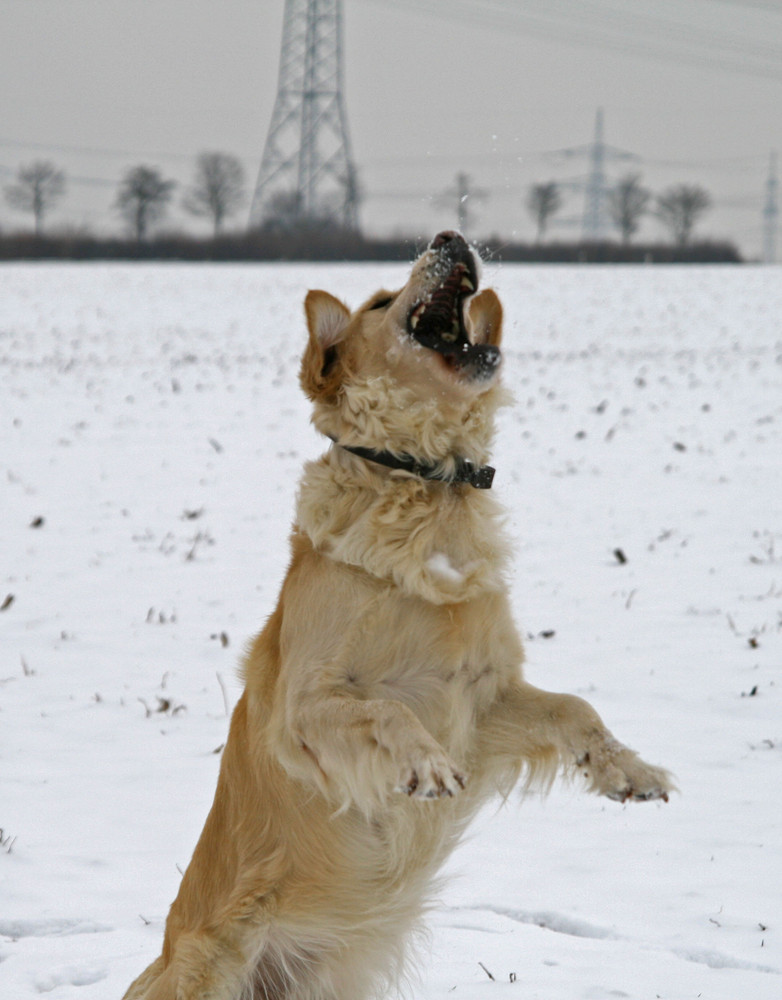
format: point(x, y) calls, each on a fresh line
point(479, 476)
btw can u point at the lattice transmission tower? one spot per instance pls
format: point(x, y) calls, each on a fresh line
point(307, 177)
point(770, 214)
point(595, 223)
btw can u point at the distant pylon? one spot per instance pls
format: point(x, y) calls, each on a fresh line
point(307, 175)
point(594, 222)
point(770, 214)
point(595, 193)
point(462, 197)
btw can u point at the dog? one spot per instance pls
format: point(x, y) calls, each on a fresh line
point(384, 700)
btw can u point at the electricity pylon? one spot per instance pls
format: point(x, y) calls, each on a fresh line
point(461, 197)
point(595, 223)
point(307, 175)
point(770, 214)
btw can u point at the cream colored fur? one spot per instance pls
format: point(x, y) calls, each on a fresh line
point(384, 699)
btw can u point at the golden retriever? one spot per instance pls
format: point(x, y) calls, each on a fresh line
point(384, 700)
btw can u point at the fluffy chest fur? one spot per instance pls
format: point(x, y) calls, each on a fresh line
point(439, 542)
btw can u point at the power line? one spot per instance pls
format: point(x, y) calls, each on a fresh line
point(614, 27)
point(91, 150)
point(738, 163)
point(72, 178)
point(727, 163)
point(767, 6)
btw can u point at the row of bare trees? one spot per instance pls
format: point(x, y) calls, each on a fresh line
point(143, 196)
point(218, 191)
point(678, 208)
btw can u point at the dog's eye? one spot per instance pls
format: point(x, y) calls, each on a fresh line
point(381, 303)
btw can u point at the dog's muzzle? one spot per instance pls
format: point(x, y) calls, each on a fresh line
point(437, 321)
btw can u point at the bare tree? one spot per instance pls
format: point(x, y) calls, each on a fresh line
point(627, 203)
point(218, 190)
point(38, 187)
point(543, 201)
point(680, 207)
point(142, 198)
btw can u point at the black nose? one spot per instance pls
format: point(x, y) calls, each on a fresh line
point(447, 236)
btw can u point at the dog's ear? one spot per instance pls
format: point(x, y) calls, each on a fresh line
point(327, 320)
point(486, 317)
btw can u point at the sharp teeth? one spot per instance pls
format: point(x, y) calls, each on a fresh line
point(453, 334)
point(466, 283)
point(416, 314)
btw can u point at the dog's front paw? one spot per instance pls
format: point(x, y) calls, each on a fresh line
point(620, 774)
point(430, 774)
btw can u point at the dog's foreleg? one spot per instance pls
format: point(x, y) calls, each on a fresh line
point(546, 731)
point(364, 750)
point(202, 967)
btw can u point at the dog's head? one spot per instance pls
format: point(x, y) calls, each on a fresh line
point(413, 371)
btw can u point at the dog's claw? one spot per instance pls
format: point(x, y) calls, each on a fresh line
point(656, 793)
point(622, 776)
point(432, 782)
point(630, 794)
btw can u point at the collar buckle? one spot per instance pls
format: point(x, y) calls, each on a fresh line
point(480, 478)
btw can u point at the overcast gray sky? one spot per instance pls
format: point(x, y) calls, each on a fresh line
point(433, 87)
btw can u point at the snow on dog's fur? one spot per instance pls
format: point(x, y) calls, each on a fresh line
point(384, 700)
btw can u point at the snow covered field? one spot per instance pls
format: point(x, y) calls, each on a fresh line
point(151, 435)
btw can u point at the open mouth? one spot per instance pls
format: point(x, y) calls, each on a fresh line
point(440, 317)
point(437, 321)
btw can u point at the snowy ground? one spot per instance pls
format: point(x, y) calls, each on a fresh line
point(151, 434)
